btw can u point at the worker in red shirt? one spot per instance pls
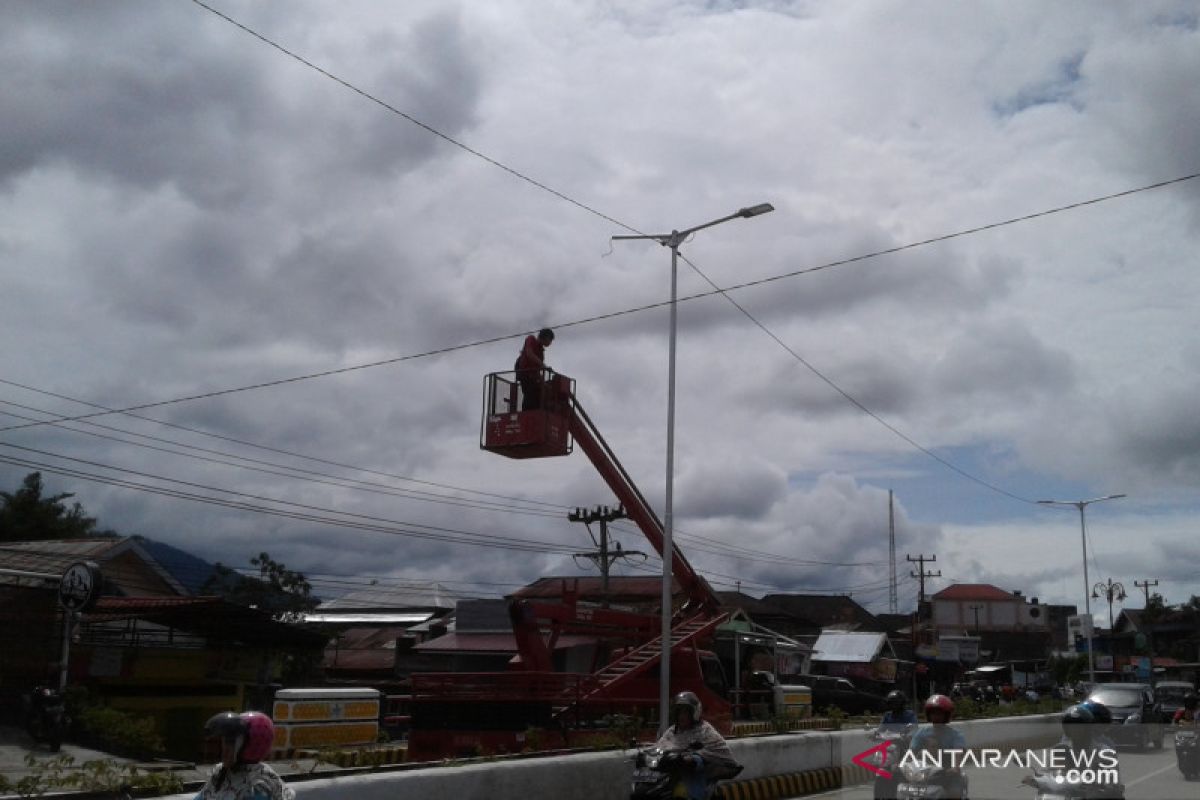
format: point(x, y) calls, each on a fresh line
point(529, 366)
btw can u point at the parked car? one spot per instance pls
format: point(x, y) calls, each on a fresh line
point(828, 691)
point(1169, 695)
point(1137, 718)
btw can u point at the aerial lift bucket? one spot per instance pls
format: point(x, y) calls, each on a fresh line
point(539, 432)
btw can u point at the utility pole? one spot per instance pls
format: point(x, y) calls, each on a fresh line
point(922, 574)
point(1145, 587)
point(1149, 623)
point(893, 601)
point(603, 556)
point(976, 608)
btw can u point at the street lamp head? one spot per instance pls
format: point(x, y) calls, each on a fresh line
point(754, 211)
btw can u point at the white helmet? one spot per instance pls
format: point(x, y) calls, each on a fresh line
point(687, 700)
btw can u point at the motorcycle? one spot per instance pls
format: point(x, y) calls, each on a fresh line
point(889, 760)
point(1187, 752)
point(662, 774)
point(930, 783)
point(46, 720)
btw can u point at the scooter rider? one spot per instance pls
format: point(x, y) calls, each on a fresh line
point(939, 736)
point(1190, 711)
point(707, 756)
point(1080, 737)
point(898, 715)
point(245, 741)
point(1103, 719)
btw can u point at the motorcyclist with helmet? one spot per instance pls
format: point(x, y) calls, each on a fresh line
point(939, 736)
point(1082, 734)
point(245, 741)
point(1190, 712)
point(898, 715)
point(704, 753)
point(1103, 719)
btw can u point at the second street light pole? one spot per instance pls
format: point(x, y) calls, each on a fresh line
point(1087, 588)
point(673, 240)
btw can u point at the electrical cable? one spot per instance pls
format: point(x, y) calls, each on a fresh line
point(585, 320)
point(307, 475)
point(306, 512)
point(560, 195)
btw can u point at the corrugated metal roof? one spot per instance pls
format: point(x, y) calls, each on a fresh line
point(369, 618)
point(53, 555)
point(412, 595)
point(856, 648)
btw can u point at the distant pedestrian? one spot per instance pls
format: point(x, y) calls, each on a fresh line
point(529, 366)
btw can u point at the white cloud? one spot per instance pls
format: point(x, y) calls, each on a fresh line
point(184, 209)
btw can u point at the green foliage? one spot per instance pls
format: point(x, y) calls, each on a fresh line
point(284, 593)
point(101, 775)
point(124, 733)
point(836, 716)
point(26, 515)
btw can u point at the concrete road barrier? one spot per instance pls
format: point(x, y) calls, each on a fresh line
point(819, 759)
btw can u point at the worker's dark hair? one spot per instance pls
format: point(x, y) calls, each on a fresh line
point(546, 333)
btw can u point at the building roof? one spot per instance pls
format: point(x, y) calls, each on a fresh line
point(128, 564)
point(591, 587)
point(211, 617)
point(412, 595)
point(976, 591)
point(848, 648)
point(826, 610)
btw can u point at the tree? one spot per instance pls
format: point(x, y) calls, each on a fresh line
point(26, 515)
point(282, 592)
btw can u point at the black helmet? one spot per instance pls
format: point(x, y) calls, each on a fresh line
point(1191, 700)
point(1077, 725)
point(689, 701)
point(895, 700)
point(1100, 713)
point(1078, 715)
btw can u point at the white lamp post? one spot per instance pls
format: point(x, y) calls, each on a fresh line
point(673, 240)
point(1087, 588)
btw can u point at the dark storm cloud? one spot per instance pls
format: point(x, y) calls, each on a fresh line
point(730, 488)
point(107, 91)
point(1001, 359)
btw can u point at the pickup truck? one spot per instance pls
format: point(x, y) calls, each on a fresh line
point(828, 691)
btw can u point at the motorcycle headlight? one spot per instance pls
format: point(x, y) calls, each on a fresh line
point(915, 774)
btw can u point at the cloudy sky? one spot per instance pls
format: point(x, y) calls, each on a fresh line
point(188, 210)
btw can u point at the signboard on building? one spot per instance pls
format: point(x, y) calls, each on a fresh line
point(1079, 626)
point(959, 649)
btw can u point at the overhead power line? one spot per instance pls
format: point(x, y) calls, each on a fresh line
point(716, 290)
point(591, 319)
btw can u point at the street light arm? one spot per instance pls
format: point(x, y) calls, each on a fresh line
point(676, 238)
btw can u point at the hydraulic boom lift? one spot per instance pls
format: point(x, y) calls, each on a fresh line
point(624, 679)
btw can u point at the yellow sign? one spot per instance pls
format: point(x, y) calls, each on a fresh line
point(324, 735)
point(323, 710)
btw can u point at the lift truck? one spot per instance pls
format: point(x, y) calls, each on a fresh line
point(457, 714)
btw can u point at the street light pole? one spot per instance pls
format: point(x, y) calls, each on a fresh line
point(1087, 595)
point(1112, 589)
point(673, 240)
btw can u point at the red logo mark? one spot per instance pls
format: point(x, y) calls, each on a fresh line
point(862, 759)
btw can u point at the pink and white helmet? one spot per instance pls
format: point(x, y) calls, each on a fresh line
point(251, 732)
